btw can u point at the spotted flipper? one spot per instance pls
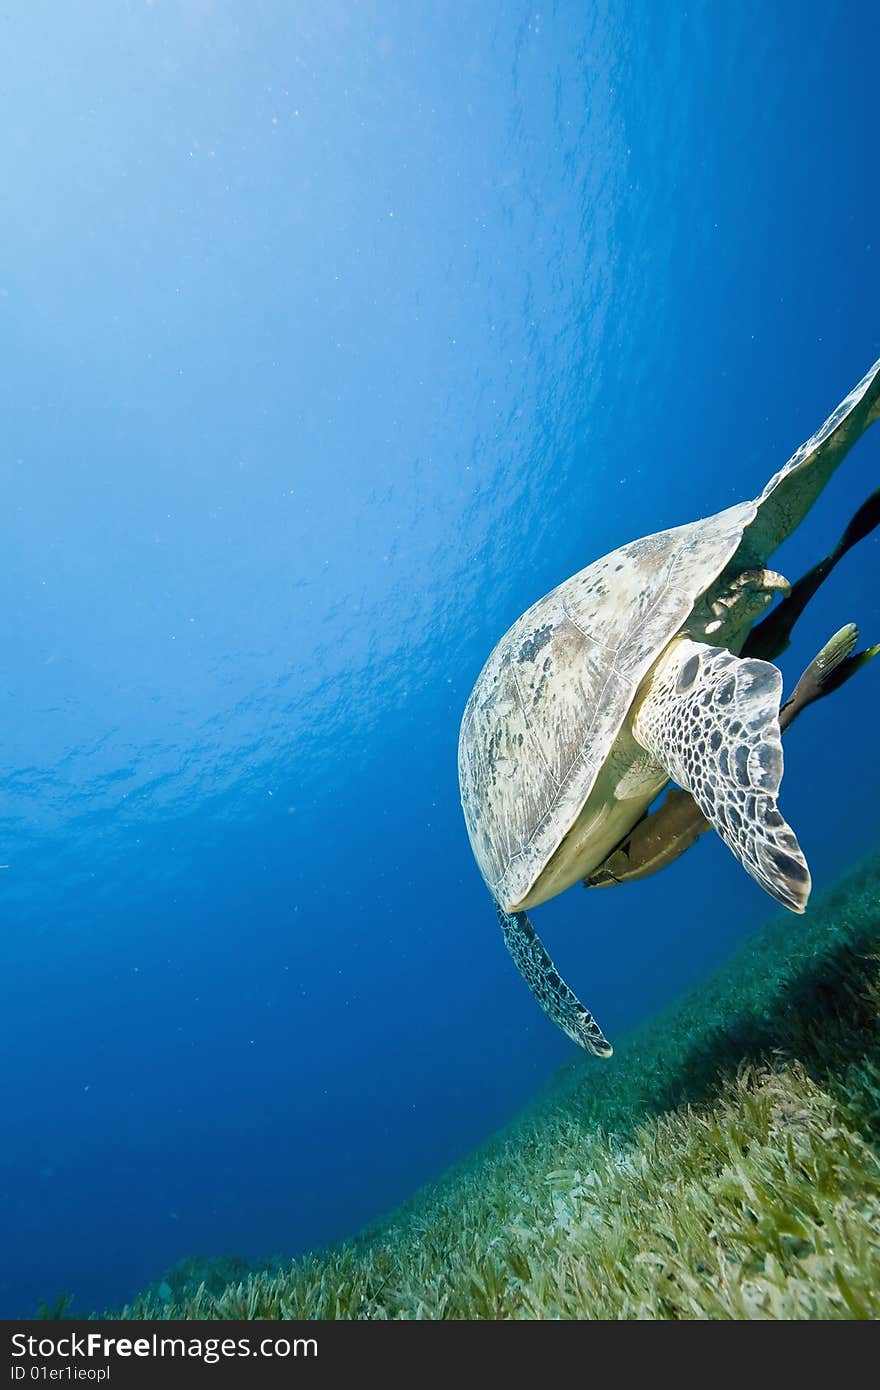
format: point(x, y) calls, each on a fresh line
point(712, 720)
point(664, 834)
point(559, 1003)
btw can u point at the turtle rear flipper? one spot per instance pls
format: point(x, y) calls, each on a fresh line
point(664, 834)
point(712, 720)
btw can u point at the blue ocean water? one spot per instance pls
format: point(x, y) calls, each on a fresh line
point(333, 337)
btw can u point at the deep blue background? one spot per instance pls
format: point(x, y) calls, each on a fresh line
point(333, 336)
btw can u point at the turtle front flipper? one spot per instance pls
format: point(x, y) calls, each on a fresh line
point(772, 635)
point(712, 721)
point(540, 974)
point(791, 492)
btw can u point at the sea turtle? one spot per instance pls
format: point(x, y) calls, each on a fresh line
point(628, 675)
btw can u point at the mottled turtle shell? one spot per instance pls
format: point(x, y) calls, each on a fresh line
point(551, 699)
point(553, 695)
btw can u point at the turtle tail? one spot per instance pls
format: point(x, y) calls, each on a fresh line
point(559, 1003)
